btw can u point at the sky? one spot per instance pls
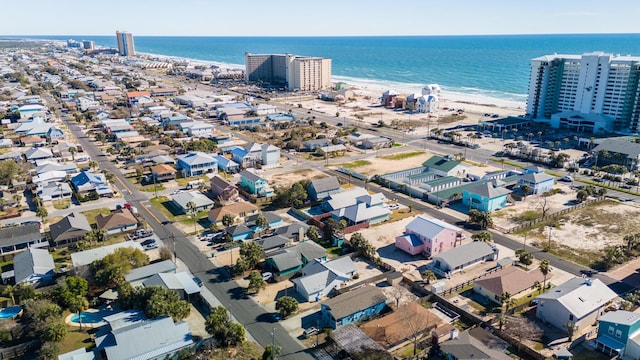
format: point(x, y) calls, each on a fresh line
point(317, 18)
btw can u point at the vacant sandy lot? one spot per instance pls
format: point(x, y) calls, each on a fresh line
point(593, 227)
point(287, 179)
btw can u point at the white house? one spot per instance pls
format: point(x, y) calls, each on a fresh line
point(198, 129)
point(270, 156)
point(319, 278)
point(87, 103)
point(579, 301)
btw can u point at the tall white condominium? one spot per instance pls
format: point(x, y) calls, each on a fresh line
point(593, 92)
point(303, 73)
point(125, 43)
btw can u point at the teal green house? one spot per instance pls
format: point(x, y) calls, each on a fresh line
point(255, 184)
point(485, 197)
point(287, 262)
point(619, 334)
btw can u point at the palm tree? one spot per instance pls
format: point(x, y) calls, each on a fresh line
point(93, 164)
point(483, 236)
point(545, 269)
point(72, 150)
point(42, 213)
point(428, 275)
point(505, 299)
point(526, 189)
point(78, 304)
point(192, 208)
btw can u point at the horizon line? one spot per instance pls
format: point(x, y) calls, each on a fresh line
point(27, 36)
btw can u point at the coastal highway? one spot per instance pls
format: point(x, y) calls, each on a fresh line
point(245, 310)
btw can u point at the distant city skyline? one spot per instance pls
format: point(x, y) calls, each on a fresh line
point(328, 18)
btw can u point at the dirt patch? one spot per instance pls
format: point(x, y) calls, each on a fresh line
point(377, 163)
point(593, 227)
point(288, 179)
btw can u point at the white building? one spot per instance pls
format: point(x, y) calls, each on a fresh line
point(592, 92)
point(303, 73)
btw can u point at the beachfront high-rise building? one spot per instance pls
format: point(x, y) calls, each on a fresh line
point(125, 43)
point(304, 73)
point(593, 92)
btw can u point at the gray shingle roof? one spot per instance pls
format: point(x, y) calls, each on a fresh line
point(19, 234)
point(487, 190)
point(464, 254)
point(72, 222)
point(32, 262)
point(291, 231)
point(631, 149)
point(198, 198)
point(151, 269)
point(354, 301)
point(325, 184)
point(250, 176)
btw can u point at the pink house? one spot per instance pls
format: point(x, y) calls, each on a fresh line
point(429, 237)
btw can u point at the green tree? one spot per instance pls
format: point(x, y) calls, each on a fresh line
point(54, 330)
point(261, 221)
point(287, 306)
point(526, 189)
point(507, 301)
point(78, 304)
point(111, 269)
point(482, 218)
point(271, 352)
point(545, 269)
point(73, 150)
point(226, 332)
point(93, 164)
point(155, 301)
point(483, 236)
point(362, 245)
point(228, 220)
point(252, 252)
point(428, 276)
point(8, 291)
point(313, 233)
point(581, 195)
point(8, 170)
point(49, 350)
point(524, 257)
point(23, 292)
point(256, 282)
point(42, 213)
point(68, 289)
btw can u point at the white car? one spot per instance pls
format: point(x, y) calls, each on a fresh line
point(567, 178)
point(266, 276)
point(393, 206)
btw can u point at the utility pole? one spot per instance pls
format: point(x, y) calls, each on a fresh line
point(175, 254)
point(273, 343)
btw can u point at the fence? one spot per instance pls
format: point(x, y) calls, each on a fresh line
point(18, 351)
point(469, 282)
point(529, 224)
point(354, 228)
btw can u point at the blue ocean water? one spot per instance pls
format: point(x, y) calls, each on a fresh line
point(494, 66)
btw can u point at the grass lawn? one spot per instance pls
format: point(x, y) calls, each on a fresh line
point(61, 204)
point(91, 214)
point(151, 188)
point(334, 252)
point(75, 339)
point(403, 156)
point(400, 214)
point(185, 181)
point(355, 164)
point(161, 203)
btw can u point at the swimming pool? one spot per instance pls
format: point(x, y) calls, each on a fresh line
point(10, 312)
point(91, 317)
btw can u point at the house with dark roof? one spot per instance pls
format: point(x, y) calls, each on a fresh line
point(133, 337)
point(288, 261)
point(513, 280)
point(428, 236)
point(485, 197)
point(445, 166)
point(255, 184)
point(181, 282)
point(296, 231)
point(578, 300)
point(473, 344)
point(20, 237)
point(615, 151)
point(222, 190)
point(462, 257)
point(70, 229)
point(274, 242)
point(320, 189)
point(119, 221)
point(239, 232)
point(273, 220)
point(353, 306)
point(319, 278)
point(34, 267)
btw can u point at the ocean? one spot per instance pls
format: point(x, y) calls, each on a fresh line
point(495, 66)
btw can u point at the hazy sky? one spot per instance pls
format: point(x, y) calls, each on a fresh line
point(317, 18)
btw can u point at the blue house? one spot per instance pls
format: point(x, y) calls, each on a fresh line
point(485, 197)
point(197, 163)
point(619, 333)
point(254, 184)
point(351, 307)
point(273, 220)
point(538, 182)
point(227, 165)
point(241, 157)
point(239, 232)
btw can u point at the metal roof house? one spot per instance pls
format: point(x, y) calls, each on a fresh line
point(320, 278)
point(485, 197)
point(462, 257)
point(34, 267)
point(578, 300)
point(200, 201)
point(428, 236)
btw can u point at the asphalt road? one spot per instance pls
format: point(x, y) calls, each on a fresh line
point(246, 311)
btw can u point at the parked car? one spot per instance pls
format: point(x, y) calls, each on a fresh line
point(310, 331)
point(142, 233)
point(393, 206)
point(566, 178)
point(152, 245)
point(148, 242)
point(197, 281)
point(266, 276)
